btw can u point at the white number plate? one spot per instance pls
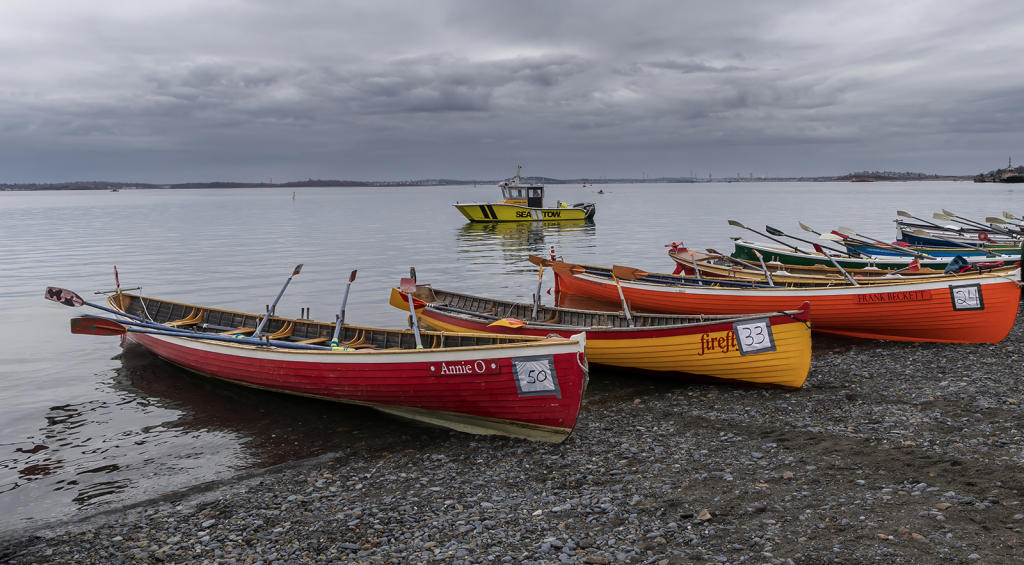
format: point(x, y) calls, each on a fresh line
point(967, 297)
point(535, 376)
point(754, 336)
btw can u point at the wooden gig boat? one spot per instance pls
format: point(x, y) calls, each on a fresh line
point(745, 251)
point(690, 263)
point(483, 384)
point(695, 348)
point(965, 308)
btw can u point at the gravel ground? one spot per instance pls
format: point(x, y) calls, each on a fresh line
point(891, 453)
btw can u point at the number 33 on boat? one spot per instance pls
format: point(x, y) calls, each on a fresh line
point(524, 203)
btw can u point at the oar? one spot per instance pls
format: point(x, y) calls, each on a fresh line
point(830, 237)
point(1010, 216)
point(739, 225)
point(965, 221)
point(696, 271)
point(69, 298)
point(903, 214)
point(273, 306)
point(94, 325)
point(627, 273)
point(914, 266)
point(408, 286)
point(341, 316)
point(567, 269)
point(850, 233)
point(1002, 222)
point(741, 262)
point(780, 233)
point(988, 252)
point(541, 263)
point(845, 274)
point(764, 268)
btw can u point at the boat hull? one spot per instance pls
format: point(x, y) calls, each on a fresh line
point(907, 311)
point(704, 353)
point(745, 250)
point(481, 389)
point(483, 212)
point(917, 241)
point(711, 266)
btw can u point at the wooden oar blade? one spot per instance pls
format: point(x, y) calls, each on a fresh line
point(805, 227)
point(830, 237)
point(628, 273)
point(1009, 216)
point(400, 300)
point(903, 214)
point(63, 296)
point(567, 269)
point(774, 231)
point(508, 323)
point(848, 232)
point(941, 217)
point(297, 269)
point(994, 220)
point(352, 277)
point(735, 223)
point(540, 261)
point(407, 285)
point(96, 326)
point(948, 213)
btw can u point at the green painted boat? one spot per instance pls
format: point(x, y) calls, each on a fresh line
point(745, 251)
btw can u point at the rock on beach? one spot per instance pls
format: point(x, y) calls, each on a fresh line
point(892, 452)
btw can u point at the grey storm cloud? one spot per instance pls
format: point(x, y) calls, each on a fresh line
point(228, 90)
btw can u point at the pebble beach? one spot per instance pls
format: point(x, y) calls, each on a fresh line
point(891, 453)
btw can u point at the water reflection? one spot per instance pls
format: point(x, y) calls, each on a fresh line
point(517, 240)
point(174, 426)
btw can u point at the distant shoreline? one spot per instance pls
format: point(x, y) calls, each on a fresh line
point(109, 186)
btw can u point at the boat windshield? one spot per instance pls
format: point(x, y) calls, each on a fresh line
point(535, 193)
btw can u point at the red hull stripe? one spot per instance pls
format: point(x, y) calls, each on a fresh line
point(395, 384)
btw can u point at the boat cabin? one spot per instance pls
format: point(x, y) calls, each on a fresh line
point(530, 195)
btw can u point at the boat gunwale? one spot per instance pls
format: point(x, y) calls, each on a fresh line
point(510, 341)
point(713, 319)
point(604, 275)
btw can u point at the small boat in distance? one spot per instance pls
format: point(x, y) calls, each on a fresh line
point(524, 203)
point(481, 384)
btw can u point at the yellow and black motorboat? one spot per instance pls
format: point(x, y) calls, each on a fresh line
point(524, 203)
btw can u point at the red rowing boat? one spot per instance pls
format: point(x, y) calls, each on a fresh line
point(509, 385)
point(964, 308)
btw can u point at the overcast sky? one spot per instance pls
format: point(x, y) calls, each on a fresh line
point(390, 90)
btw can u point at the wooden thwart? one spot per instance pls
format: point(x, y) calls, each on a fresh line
point(194, 317)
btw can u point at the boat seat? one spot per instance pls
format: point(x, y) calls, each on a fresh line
point(237, 331)
point(192, 319)
point(314, 341)
point(285, 331)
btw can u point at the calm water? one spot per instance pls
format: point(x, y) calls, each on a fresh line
point(84, 424)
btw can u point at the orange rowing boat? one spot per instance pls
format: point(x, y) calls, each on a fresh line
point(964, 308)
